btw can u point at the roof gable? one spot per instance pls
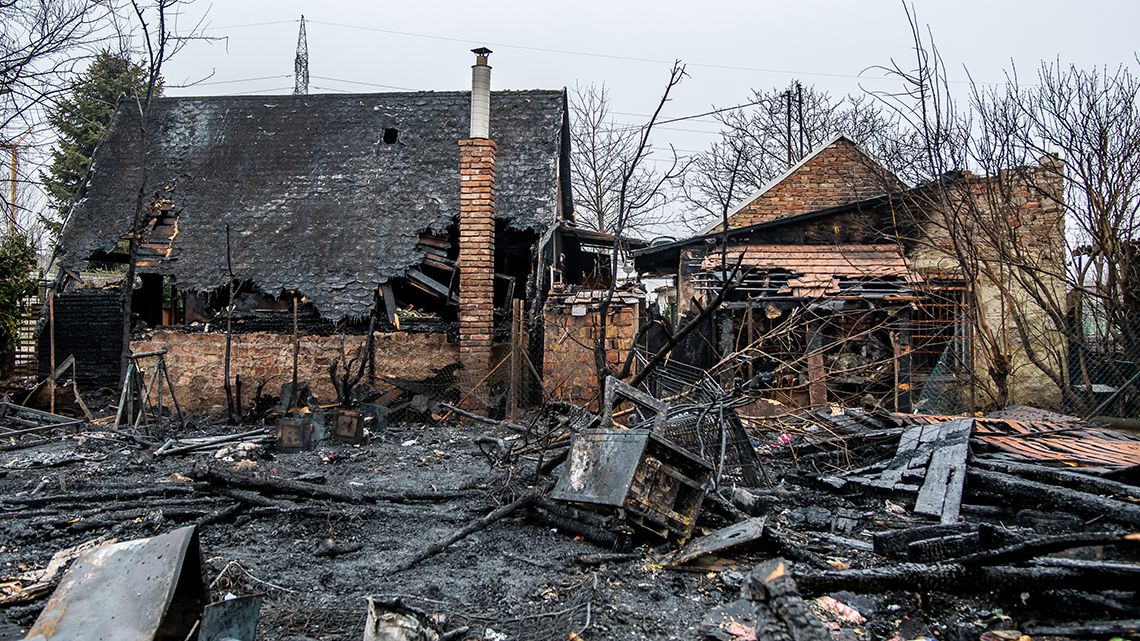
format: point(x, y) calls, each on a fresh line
point(836, 173)
point(317, 197)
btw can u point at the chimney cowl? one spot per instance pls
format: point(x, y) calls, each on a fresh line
point(481, 94)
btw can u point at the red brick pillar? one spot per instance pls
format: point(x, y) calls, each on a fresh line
point(476, 260)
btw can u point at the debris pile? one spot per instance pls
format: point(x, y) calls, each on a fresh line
point(663, 515)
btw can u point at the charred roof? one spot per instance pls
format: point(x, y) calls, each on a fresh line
point(324, 194)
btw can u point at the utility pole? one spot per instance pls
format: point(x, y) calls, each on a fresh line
point(12, 193)
point(800, 116)
point(301, 63)
point(788, 130)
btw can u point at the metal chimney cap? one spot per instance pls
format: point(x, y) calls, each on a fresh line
point(481, 51)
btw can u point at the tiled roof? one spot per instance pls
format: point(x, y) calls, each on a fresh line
point(813, 271)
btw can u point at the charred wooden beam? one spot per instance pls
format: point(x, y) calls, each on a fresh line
point(1004, 488)
point(770, 583)
point(1068, 478)
point(958, 578)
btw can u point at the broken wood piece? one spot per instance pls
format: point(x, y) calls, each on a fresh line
point(1071, 478)
point(771, 584)
point(895, 543)
point(723, 539)
point(941, 491)
point(1005, 488)
point(213, 441)
point(958, 578)
point(514, 427)
point(1049, 544)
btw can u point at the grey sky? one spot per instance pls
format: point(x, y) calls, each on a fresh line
point(828, 44)
point(730, 47)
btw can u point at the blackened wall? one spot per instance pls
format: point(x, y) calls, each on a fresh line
point(89, 325)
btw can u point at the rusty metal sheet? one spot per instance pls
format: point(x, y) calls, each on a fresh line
point(1067, 441)
point(142, 590)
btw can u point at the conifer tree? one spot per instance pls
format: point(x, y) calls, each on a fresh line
point(81, 118)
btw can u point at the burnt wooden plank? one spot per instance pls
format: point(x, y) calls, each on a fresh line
point(723, 539)
point(389, 302)
point(941, 491)
point(429, 284)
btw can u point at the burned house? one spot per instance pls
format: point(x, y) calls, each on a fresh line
point(431, 217)
point(841, 289)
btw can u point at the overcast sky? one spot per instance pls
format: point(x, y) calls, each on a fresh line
point(730, 47)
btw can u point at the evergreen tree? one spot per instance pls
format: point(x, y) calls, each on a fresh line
point(82, 118)
point(17, 280)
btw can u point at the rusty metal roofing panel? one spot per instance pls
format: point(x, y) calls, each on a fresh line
point(1067, 441)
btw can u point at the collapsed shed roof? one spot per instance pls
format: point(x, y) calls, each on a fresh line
point(813, 271)
point(324, 194)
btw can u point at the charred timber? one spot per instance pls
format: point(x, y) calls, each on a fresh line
point(958, 578)
point(1003, 488)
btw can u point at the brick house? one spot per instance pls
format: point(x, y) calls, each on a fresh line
point(431, 217)
point(849, 293)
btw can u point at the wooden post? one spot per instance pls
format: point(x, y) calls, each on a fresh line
point(749, 321)
point(51, 341)
point(515, 385)
point(296, 349)
point(902, 363)
point(817, 377)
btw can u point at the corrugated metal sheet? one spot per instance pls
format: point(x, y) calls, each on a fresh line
point(1068, 442)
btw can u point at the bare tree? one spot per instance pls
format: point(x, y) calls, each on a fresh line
point(42, 44)
point(150, 32)
point(614, 187)
point(776, 130)
point(1033, 198)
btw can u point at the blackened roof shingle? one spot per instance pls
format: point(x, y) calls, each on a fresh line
point(315, 199)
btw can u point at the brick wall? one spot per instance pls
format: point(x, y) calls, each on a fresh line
point(837, 175)
point(1033, 219)
point(569, 370)
point(476, 256)
point(89, 326)
point(196, 361)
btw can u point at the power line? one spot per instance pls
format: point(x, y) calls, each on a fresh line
point(228, 82)
point(250, 24)
point(361, 82)
point(572, 52)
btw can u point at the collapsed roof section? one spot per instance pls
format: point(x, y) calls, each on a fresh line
point(325, 194)
point(815, 271)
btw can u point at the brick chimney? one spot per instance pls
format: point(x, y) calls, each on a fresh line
point(477, 231)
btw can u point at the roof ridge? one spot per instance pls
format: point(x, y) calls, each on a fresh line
point(424, 92)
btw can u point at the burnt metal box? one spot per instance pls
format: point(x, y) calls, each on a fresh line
point(654, 484)
point(294, 434)
point(348, 426)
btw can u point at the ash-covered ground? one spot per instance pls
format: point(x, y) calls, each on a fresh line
point(315, 560)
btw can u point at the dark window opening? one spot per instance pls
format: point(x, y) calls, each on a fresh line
point(391, 135)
